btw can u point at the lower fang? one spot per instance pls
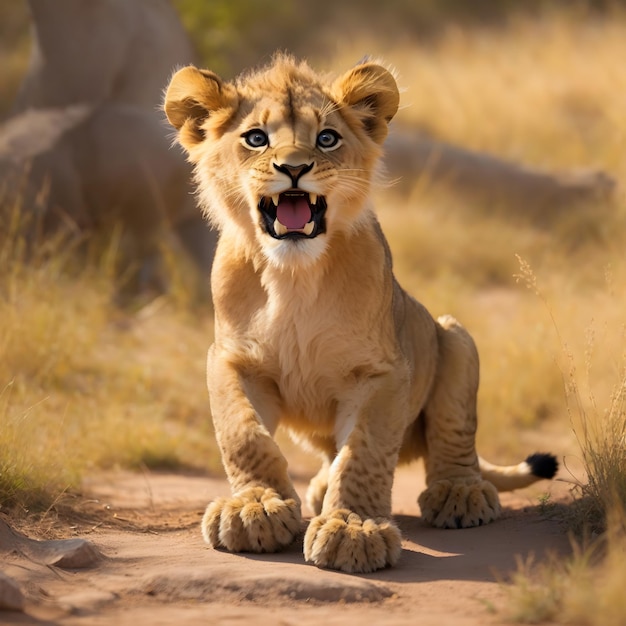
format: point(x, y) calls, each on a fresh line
point(308, 228)
point(280, 229)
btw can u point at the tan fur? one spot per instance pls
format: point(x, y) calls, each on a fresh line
point(316, 334)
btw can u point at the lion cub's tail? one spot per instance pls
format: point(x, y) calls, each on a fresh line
point(509, 477)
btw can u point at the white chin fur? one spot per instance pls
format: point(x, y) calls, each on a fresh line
point(287, 254)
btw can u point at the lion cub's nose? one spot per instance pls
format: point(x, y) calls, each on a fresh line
point(294, 171)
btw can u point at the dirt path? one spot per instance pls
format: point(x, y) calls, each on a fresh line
point(156, 569)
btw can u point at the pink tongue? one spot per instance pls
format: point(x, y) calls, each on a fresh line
point(293, 214)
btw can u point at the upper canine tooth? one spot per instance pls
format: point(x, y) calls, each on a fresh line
point(313, 198)
point(308, 228)
point(279, 229)
point(276, 199)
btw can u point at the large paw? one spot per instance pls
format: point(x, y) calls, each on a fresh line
point(253, 520)
point(343, 541)
point(451, 504)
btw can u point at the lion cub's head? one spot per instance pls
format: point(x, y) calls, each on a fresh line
point(284, 155)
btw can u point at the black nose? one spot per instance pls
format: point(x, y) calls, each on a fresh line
point(294, 171)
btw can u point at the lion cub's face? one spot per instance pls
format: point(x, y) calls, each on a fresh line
point(284, 155)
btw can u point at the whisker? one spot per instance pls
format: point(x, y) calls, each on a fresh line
point(352, 169)
point(355, 185)
point(327, 108)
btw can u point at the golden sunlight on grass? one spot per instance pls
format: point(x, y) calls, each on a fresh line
point(85, 386)
point(531, 91)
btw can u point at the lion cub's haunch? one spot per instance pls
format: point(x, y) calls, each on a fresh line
point(313, 332)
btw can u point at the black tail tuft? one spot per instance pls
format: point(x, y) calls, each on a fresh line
point(543, 465)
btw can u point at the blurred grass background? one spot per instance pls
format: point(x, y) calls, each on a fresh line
point(86, 386)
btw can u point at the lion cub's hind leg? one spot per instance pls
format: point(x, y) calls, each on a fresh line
point(317, 488)
point(456, 495)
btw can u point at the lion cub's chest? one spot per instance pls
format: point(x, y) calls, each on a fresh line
point(310, 348)
point(305, 352)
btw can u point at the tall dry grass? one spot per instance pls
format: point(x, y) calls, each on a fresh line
point(86, 386)
point(586, 587)
point(530, 91)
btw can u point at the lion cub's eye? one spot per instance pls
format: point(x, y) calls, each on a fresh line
point(328, 138)
point(256, 138)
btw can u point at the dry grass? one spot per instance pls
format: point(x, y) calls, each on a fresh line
point(530, 91)
point(586, 589)
point(84, 385)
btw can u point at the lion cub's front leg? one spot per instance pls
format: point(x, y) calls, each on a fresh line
point(263, 514)
point(354, 532)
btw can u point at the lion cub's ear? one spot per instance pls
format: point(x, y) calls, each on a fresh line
point(373, 90)
point(191, 97)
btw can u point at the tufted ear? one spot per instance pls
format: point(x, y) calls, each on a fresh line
point(191, 97)
point(371, 89)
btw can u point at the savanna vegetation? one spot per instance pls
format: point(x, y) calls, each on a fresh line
point(85, 385)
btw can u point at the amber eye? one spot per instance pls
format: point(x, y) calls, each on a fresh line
point(328, 138)
point(256, 138)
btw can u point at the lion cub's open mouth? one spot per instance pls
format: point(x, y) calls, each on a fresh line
point(293, 214)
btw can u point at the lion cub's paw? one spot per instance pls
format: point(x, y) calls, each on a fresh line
point(253, 520)
point(343, 541)
point(455, 504)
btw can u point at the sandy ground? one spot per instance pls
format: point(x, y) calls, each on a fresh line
point(155, 568)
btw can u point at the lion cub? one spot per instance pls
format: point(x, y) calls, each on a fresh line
point(313, 332)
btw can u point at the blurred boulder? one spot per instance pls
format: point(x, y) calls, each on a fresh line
point(87, 148)
point(120, 51)
point(85, 169)
point(498, 183)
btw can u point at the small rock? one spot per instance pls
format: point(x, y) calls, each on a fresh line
point(11, 597)
point(69, 553)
